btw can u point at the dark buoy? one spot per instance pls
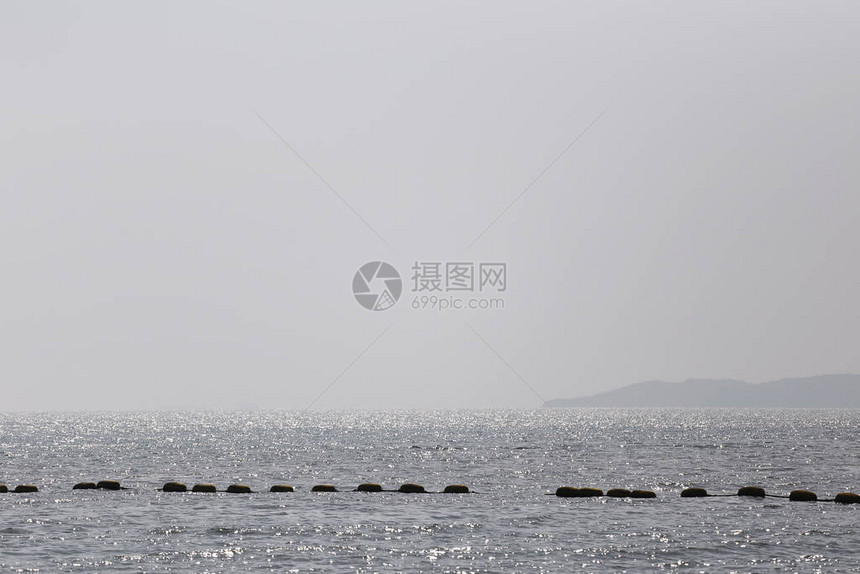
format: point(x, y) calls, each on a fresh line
point(411, 488)
point(590, 492)
point(324, 488)
point(4, 488)
point(802, 496)
point(847, 498)
point(108, 485)
point(456, 489)
point(239, 489)
point(281, 488)
point(204, 488)
point(618, 493)
point(756, 491)
point(571, 492)
point(643, 494)
point(174, 487)
point(21, 488)
point(694, 493)
point(369, 487)
point(84, 486)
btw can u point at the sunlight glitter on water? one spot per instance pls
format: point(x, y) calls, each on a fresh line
point(512, 459)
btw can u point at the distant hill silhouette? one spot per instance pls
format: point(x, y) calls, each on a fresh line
point(823, 391)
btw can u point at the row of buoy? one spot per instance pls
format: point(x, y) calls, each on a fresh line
point(794, 495)
point(753, 491)
point(409, 487)
point(563, 491)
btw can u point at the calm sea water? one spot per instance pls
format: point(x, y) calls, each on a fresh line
point(512, 459)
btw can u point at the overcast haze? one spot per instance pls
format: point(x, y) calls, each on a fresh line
point(162, 247)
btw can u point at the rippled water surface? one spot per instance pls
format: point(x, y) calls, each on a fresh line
point(512, 459)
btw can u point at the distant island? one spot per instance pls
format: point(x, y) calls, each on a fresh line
point(823, 391)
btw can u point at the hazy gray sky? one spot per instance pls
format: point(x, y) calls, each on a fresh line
point(162, 247)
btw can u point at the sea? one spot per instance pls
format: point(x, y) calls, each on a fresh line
point(512, 460)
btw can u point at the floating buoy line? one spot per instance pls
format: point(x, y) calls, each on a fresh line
point(413, 488)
